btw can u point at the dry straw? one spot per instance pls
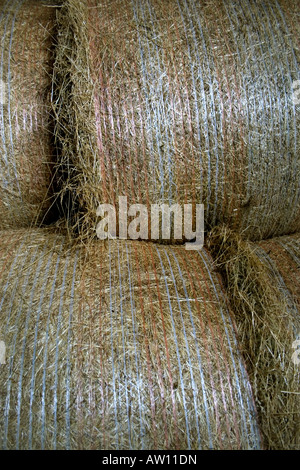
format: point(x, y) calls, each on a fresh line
point(124, 346)
point(26, 155)
point(180, 101)
point(263, 284)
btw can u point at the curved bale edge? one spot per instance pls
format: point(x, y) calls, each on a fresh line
point(262, 282)
point(27, 29)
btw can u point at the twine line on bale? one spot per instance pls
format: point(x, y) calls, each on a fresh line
point(129, 346)
point(283, 257)
point(26, 155)
point(179, 101)
point(262, 283)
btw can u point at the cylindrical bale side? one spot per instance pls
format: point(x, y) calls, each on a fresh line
point(26, 152)
point(263, 285)
point(282, 256)
point(127, 346)
point(181, 101)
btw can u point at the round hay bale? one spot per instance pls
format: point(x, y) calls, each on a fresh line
point(263, 285)
point(282, 256)
point(180, 101)
point(26, 153)
point(123, 346)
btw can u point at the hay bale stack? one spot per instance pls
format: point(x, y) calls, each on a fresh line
point(26, 153)
point(263, 285)
point(128, 346)
point(180, 101)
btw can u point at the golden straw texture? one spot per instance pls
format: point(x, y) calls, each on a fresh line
point(263, 285)
point(180, 101)
point(26, 154)
point(124, 346)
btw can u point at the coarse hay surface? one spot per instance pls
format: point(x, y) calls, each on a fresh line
point(180, 101)
point(120, 346)
point(26, 153)
point(263, 285)
point(282, 255)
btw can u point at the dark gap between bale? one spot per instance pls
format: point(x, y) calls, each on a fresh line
point(180, 101)
point(263, 285)
point(27, 31)
point(123, 346)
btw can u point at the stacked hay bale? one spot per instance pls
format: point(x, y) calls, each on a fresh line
point(124, 346)
point(180, 101)
point(130, 345)
point(263, 284)
point(26, 153)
